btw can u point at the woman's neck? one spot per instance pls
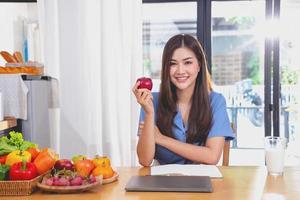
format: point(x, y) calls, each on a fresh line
point(185, 96)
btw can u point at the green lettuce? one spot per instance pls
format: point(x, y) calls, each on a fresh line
point(15, 141)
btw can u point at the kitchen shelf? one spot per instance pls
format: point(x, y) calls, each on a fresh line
point(8, 122)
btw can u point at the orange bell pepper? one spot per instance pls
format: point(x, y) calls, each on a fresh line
point(34, 152)
point(45, 160)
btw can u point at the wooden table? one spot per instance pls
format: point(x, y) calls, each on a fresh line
point(241, 183)
point(283, 187)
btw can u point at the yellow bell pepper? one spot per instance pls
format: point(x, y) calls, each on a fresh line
point(17, 156)
point(103, 161)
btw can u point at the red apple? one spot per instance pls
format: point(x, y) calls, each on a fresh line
point(64, 164)
point(145, 83)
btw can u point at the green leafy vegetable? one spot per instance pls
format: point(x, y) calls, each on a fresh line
point(6, 148)
point(14, 142)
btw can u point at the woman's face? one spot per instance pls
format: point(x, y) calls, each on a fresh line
point(184, 68)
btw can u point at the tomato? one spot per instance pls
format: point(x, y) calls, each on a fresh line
point(84, 167)
point(22, 171)
point(17, 156)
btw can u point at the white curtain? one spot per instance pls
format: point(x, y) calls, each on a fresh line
point(94, 48)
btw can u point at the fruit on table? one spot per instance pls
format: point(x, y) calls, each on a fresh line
point(78, 157)
point(103, 167)
point(84, 167)
point(78, 180)
point(103, 161)
point(65, 181)
point(17, 156)
point(22, 171)
point(66, 178)
point(64, 164)
point(145, 83)
point(105, 171)
point(45, 160)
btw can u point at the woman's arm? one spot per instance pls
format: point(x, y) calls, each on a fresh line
point(146, 142)
point(208, 154)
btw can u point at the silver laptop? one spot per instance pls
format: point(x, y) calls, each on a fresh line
point(169, 184)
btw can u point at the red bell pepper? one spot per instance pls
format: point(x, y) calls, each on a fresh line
point(3, 159)
point(22, 171)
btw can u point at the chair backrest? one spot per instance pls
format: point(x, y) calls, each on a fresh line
point(226, 148)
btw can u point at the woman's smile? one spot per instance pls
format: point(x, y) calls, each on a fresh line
point(181, 79)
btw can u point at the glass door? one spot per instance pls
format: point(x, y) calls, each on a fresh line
point(289, 78)
point(237, 68)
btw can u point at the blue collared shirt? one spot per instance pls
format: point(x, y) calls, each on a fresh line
point(220, 128)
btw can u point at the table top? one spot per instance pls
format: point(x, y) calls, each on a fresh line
point(238, 182)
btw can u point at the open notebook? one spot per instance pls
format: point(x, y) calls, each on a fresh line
point(189, 170)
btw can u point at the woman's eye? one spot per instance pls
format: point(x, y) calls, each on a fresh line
point(172, 63)
point(188, 62)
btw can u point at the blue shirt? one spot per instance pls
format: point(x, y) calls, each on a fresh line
point(220, 128)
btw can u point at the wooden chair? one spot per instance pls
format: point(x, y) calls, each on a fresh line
point(226, 149)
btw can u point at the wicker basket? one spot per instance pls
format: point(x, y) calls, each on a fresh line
point(19, 187)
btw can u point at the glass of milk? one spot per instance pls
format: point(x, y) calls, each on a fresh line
point(274, 154)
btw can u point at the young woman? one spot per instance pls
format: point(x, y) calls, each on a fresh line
point(186, 122)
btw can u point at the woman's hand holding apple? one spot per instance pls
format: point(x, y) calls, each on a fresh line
point(144, 96)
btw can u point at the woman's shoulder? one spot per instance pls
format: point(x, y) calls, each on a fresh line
point(217, 98)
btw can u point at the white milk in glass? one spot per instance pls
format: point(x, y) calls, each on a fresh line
point(275, 160)
point(274, 150)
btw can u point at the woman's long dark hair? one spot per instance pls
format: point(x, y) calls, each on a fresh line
point(200, 116)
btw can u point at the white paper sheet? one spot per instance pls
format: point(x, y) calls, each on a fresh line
point(188, 170)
